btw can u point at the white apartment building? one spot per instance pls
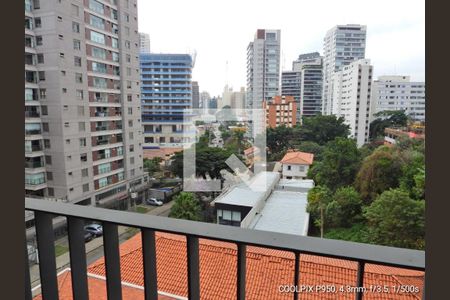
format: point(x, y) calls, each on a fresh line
point(263, 67)
point(234, 99)
point(342, 45)
point(352, 98)
point(399, 93)
point(144, 42)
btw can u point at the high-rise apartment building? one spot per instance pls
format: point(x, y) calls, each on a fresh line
point(263, 67)
point(342, 45)
point(82, 107)
point(352, 98)
point(204, 99)
point(291, 86)
point(309, 66)
point(195, 95)
point(399, 93)
point(166, 91)
point(281, 110)
point(144, 42)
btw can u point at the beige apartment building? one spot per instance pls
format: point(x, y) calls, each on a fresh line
point(83, 136)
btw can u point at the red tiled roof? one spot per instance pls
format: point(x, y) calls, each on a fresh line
point(96, 289)
point(300, 158)
point(267, 269)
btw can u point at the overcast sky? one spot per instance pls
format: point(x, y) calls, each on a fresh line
point(219, 31)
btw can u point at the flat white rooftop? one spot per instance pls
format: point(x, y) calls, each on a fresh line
point(285, 212)
point(249, 195)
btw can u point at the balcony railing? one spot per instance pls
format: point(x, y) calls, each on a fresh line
point(34, 164)
point(44, 211)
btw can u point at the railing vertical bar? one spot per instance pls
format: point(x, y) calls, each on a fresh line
point(78, 264)
point(149, 261)
point(112, 261)
point(193, 268)
point(423, 288)
point(241, 270)
point(46, 251)
point(28, 295)
point(360, 280)
point(296, 274)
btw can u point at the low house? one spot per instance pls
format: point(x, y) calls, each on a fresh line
point(296, 164)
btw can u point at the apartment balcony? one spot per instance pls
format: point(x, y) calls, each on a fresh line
point(241, 255)
point(34, 164)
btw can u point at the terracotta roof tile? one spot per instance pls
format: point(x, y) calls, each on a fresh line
point(267, 269)
point(297, 157)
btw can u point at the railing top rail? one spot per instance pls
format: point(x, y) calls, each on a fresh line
point(390, 256)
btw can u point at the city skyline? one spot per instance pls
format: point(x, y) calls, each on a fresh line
point(221, 44)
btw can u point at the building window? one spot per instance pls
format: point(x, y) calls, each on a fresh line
point(51, 192)
point(97, 22)
point(80, 95)
point(76, 27)
point(40, 58)
point(85, 187)
point(76, 45)
point(96, 6)
point(37, 22)
point(132, 172)
point(114, 43)
point(131, 148)
point(129, 97)
point(77, 61)
point(47, 144)
point(115, 56)
point(130, 123)
point(44, 110)
point(97, 37)
point(49, 175)
point(48, 159)
point(66, 124)
point(289, 168)
point(98, 53)
point(78, 78)
point(84, 172)
point(132, 160)
point(131, 135)
point(82, 142)
point(41, 75)
point(83, 157)
point(45, 127)
point(38, 40)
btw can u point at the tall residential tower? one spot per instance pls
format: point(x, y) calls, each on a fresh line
point(144, 42)
point(263, 67)
point(342, 45)
point(82, 107)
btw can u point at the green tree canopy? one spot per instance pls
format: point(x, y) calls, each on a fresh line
point(322, 129)
point(186, 207)
point(152, 165)
point(379, 172)
point(386, 119)
point(339, 165)
point(345, 209)
point(394, 219)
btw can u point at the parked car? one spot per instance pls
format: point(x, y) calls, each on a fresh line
point(88, 236)
point(154, 201)
point(95, 229)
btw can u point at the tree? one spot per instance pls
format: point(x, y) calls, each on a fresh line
point(386, 119)
point(186, 206)
point(318, 199)
point(339, 165)
point(278, 138)
point(152, 165)
point(413, 168)
point(322, 129)
point(345, 209)
point(379, 172)
point(394, 219)
point(208, 160)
